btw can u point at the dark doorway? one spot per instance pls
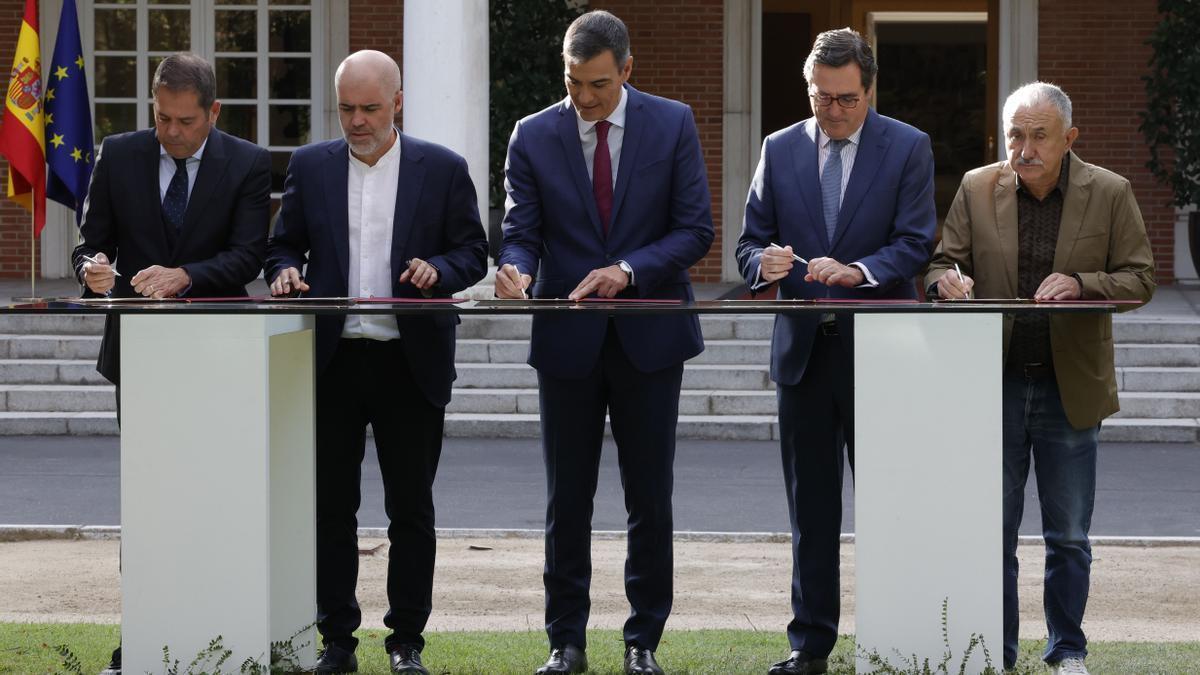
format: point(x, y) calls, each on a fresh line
point(786, 39)
point(933, 75)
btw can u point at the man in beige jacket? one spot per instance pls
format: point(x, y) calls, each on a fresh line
point(1048, 226)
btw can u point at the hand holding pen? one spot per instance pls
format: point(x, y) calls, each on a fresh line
point(955, 286)
point(98, 275)
point(511, 284)
point(777, 262)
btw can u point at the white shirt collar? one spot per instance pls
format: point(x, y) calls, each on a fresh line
point(388, 157)
point(617, 118)
point(162, 151)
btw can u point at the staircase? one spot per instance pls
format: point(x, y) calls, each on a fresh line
point(48, 384)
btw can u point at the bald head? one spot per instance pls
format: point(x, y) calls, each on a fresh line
point(369, 98)
point(372, 66)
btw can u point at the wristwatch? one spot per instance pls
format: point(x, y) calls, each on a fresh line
point(626, 269)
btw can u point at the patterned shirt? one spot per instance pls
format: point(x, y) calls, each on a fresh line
point(1037, 236)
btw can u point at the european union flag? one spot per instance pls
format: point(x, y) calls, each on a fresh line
point(68, 117)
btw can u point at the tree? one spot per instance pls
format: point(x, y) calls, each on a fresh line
point(1171, 121)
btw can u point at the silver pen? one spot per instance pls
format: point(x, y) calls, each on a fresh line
point(93, 260)
point(794, 256)
point(961, 283)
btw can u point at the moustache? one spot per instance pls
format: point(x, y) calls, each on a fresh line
point(1021, 161)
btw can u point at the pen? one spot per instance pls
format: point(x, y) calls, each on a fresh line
point(93, 260)
point(963, 284)
point(794, 256)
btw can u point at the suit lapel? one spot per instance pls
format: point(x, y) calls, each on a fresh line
point(1005, 195)
point(1074, 204)
point(148, 168)
point(872, 146)
point(804, 157)
point(568, 133)
point(408, 191)
point(212, 168)
point(635, 125)
point(337, 169)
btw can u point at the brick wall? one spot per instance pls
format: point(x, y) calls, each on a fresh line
point(677, 47)
point(16, 226)
point(378, 24)
point(1095, 50)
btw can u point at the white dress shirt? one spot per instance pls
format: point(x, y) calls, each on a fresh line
point(166, 169)
point(371, 199)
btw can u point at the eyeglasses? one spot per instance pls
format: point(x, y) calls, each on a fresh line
point(825, 100)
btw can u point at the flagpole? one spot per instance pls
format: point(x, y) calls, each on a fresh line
point(32, 239)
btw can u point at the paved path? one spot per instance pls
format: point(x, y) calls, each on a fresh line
point(1144, 491)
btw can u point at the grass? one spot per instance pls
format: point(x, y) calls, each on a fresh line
point(28, 649)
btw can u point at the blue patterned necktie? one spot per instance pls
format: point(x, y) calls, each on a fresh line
point(831, 186)
point(175, 203)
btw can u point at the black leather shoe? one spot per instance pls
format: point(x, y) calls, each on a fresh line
point(114, 664)
point(334, 659)
point(407, 659)
point(800, 663)
point(564, 660)
point(639, 661)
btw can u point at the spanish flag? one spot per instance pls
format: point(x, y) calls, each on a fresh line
point(23, 134)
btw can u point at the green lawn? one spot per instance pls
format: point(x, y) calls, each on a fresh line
point(28, 649)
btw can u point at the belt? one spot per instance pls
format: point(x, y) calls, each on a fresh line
point(1032, 371)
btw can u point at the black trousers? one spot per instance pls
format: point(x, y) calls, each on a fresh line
point(644, 409)
point(369, 382)
point(816, 419)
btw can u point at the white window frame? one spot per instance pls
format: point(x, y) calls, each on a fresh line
point(330, 40)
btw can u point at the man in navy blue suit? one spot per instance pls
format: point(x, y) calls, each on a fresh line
point(851, 193)
point(384, 214)
point(607, 197)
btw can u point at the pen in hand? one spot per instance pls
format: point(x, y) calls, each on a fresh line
point(794, 256)
point(962, 283)
point(93, 260)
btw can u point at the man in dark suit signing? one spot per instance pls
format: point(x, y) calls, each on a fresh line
point(182, 208)
point(607, 196)
point(851, 192)
point(379, 213)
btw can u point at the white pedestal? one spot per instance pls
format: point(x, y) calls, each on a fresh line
point(927, 486)
point(217, 487)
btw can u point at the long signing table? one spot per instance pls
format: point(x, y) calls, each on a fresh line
point(217, 470)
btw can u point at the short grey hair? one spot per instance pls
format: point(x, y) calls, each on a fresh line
point(836, 48)
point(594, 33)
point(185, 71)
point(1037, 93)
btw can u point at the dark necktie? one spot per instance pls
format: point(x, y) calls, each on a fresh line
point(175, 203)
point(831, 186)
point(602, 175)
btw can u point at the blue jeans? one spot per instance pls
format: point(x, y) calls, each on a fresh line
point(1064, 462)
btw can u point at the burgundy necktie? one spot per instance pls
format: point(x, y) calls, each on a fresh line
point(602, 175)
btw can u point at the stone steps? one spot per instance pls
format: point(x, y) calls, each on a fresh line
point(48, 383)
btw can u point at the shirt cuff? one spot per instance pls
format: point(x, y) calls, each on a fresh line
point(628, 269)
point(869, 278)
point(759, 284)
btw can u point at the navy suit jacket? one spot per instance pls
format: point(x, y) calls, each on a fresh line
point(887, 222)
point(437, 220)
point(224, 234)
point(661, 224)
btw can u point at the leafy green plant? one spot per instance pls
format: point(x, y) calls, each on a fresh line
point(913, 665)
point(526, 69)
point(213, 659)
point(1171, 120)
